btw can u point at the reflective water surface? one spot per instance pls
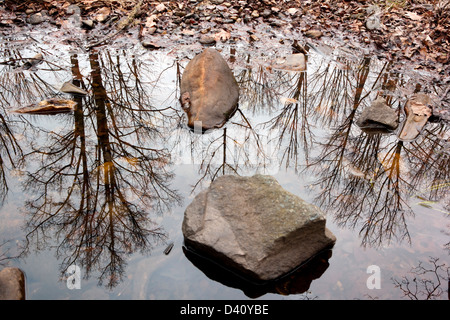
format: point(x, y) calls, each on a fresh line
point(104, 187)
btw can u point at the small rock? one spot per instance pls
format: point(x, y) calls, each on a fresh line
point(378, 116)
point(73, 9)
point(266, 13)
point(373, 9)
point(102, 14)
point(373, 22)
point(255, 14)
point(151, 30)
point(37, 18)
point(150, 45)
point(89, 24)
point(293, 62)
point(207, 40)
point(313, 33)
point(209, 91)
point(275, 9)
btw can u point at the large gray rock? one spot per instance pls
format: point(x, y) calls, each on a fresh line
point(255, 227)
point(12, 284)
point(209, 91)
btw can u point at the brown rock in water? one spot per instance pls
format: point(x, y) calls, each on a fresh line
point(313, 33)
point(254, 227)
point(417, 109)
point(12, 284)
point(209, 91)
point(49, 106)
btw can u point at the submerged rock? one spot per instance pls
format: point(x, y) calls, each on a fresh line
point(207, 40)
point(12, 284)
point(209, 91)
point(417, 110)
point(37, 18)
point(293, 62)
point(378, 116)
point(314, 33)
point(254, 227)
point(49, 106)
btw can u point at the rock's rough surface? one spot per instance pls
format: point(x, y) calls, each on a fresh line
point(49, 106)
point(12, 284)
point(417, 110)
point(378, 115)
point(209, 91)
point(255, 227)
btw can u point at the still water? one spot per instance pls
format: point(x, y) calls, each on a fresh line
point(105, 187)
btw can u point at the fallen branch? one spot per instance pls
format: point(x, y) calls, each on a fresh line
point(121, 25)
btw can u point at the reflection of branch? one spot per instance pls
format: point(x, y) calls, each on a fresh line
point(293, 123)
point(259, 89)
point(10, 149)
point(426, 284)
point(429, 158)
point(363, 178)
point(222, 152)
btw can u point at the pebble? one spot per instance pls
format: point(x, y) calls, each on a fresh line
point(36, 18)
point(313, 33)
point(207, 40)
point(88, 23)
point(373, 22)
point(150, 45)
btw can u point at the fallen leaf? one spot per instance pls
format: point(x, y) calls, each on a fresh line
point(286, 100)
point(160, 7)
point(222, 35)
point(150, 21)
point(188, 32)
point(413, 16)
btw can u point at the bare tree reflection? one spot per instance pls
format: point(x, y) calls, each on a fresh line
point(234, 149)
point(427, 283)
point(355, 182)
point(10, 153)
point(101, 178)
point(367, 178)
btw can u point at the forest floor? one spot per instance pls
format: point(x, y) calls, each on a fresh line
point(406, 32)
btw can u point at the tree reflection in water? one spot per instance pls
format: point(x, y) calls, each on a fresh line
point(100, 181)
point(366, 179)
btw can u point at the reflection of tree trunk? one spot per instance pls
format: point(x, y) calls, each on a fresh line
point(361, 81)
point(101, 170)
point(10, 148)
